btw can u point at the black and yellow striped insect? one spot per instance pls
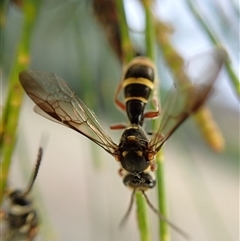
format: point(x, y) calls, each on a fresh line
point(138, 81)
point(19, 218)
point(136, 151)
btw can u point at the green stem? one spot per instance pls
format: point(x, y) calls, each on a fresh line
point(150, 49)
point(149, 31)
point(127, 48)
point(214, 39)
point(128, 54)
point(142, 216)
point(163, 226)
point(15, 92)
point(3, 16)
point(233, 77)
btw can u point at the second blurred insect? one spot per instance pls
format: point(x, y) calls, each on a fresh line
point(19, 218)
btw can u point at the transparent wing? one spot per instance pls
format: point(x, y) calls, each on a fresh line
point(57, 102)
point(189, 94)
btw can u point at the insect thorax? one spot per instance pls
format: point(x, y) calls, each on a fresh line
point(133, 149)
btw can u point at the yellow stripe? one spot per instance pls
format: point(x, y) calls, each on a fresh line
point(139, 153)
point(142, 81)
point(136, 98)
point(131, 138)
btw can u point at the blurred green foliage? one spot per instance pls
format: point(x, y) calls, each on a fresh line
point(67, 39)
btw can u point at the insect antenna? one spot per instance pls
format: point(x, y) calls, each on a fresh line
point(126, 216)
point(34, 175)
point(173, 226)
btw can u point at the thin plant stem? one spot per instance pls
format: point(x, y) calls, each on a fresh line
point(162, 204)
point(150, 53)
point(127, 48)
point(192, 5)
point(142, 217)
point(128, 54)
point(15, 92)
point(3, 17)
point(164, 234)
point(149, 30)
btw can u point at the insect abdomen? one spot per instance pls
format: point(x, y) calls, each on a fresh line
point(138, 83)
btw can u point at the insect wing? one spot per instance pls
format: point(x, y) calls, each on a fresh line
point(188, 96)
point(57, 102)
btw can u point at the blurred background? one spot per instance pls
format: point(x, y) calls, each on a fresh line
point(81, 197)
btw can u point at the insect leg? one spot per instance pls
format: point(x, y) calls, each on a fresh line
point(118, 103)
point(156, 113)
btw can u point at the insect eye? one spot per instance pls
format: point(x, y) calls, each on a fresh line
point(151, 183)
point(18, 199)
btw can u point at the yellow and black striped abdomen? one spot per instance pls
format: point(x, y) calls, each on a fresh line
point(137, 89)
point(138, 83)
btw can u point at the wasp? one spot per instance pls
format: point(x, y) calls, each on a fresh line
point(138, 81)
point(21, 219)
point(136, 151)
